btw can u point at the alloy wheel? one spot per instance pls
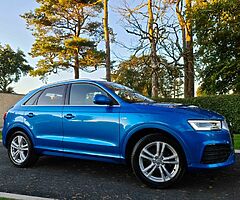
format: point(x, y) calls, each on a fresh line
point(159, 162)
point(19, 149)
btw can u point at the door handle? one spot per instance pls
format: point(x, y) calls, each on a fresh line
point(30, 115)
point(69, 116)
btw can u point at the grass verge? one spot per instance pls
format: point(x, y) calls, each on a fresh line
point(237, 141)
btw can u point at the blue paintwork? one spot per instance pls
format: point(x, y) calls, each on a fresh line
point(101, 132)
point(93, 130)
point(102, 100)
point(46, 126)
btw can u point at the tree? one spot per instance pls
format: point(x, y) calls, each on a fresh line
point(152, 39)
point(107, 41)
point(185, 21)
point(12, 66)
point(200, 92)
point(216, 24)
point(155, 28)
point(135, 73)
point(66, 35)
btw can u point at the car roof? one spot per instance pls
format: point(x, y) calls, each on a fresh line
point(97, 82)
point(73, 81)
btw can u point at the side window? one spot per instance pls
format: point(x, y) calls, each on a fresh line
point(83, 94)
point(52, 96)
point(32, 100)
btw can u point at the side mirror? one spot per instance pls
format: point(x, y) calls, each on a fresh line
point(102, 100)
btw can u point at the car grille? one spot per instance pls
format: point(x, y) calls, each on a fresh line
point(216, 153)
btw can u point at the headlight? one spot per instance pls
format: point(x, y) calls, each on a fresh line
point(225, 125)
point(205, 125)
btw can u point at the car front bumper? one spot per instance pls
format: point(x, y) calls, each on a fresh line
point(209, 149)
point(230, 161)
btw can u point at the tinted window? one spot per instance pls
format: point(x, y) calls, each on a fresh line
point(127, 94)
point(33, 99)
point(83, 94)
point(52, 96)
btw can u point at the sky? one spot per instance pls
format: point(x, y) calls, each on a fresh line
point(13, 31)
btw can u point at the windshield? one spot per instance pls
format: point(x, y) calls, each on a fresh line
point(127, 94)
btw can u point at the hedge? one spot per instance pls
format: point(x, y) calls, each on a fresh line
point(227, 105)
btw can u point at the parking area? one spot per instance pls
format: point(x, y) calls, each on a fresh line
point(63, 178)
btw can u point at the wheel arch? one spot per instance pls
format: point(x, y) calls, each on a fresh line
point(18, 127)
point(135, 135)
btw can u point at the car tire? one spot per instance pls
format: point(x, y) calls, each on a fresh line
point(21, 151)
point(158, 161)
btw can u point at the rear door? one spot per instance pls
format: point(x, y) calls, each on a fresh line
point(43, 114)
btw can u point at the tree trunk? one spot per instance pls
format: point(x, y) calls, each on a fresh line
point(154, 83)
point(107, 41)
point(185, 61)
point(189, 71)
point(188, 56)
point(5, 85)
point(76, 72)
point(76, 66)
point(154, 62)
point(154, 71)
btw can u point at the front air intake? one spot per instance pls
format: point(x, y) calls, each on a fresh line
point(217, 153)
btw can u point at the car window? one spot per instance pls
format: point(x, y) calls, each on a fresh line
point(127, 94)
point(32, 100)
point(83, 94)
point(52, 96)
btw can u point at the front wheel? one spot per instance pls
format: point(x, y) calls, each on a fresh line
point(20, 150)
point(158, 161)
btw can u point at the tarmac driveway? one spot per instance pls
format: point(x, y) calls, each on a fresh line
point(64, 178)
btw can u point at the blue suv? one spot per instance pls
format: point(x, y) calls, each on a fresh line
point(105, 121)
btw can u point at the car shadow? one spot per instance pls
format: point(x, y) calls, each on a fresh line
point(196, 180)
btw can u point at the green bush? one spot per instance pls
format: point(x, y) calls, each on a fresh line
point(226, 105)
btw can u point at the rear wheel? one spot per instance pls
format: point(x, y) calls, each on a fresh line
point(20, 150)
point(158, 161)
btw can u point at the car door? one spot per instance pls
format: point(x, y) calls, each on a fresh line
point(43, 114)
point(90, 129)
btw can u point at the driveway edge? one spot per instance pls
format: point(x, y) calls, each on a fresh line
point(21, 197)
